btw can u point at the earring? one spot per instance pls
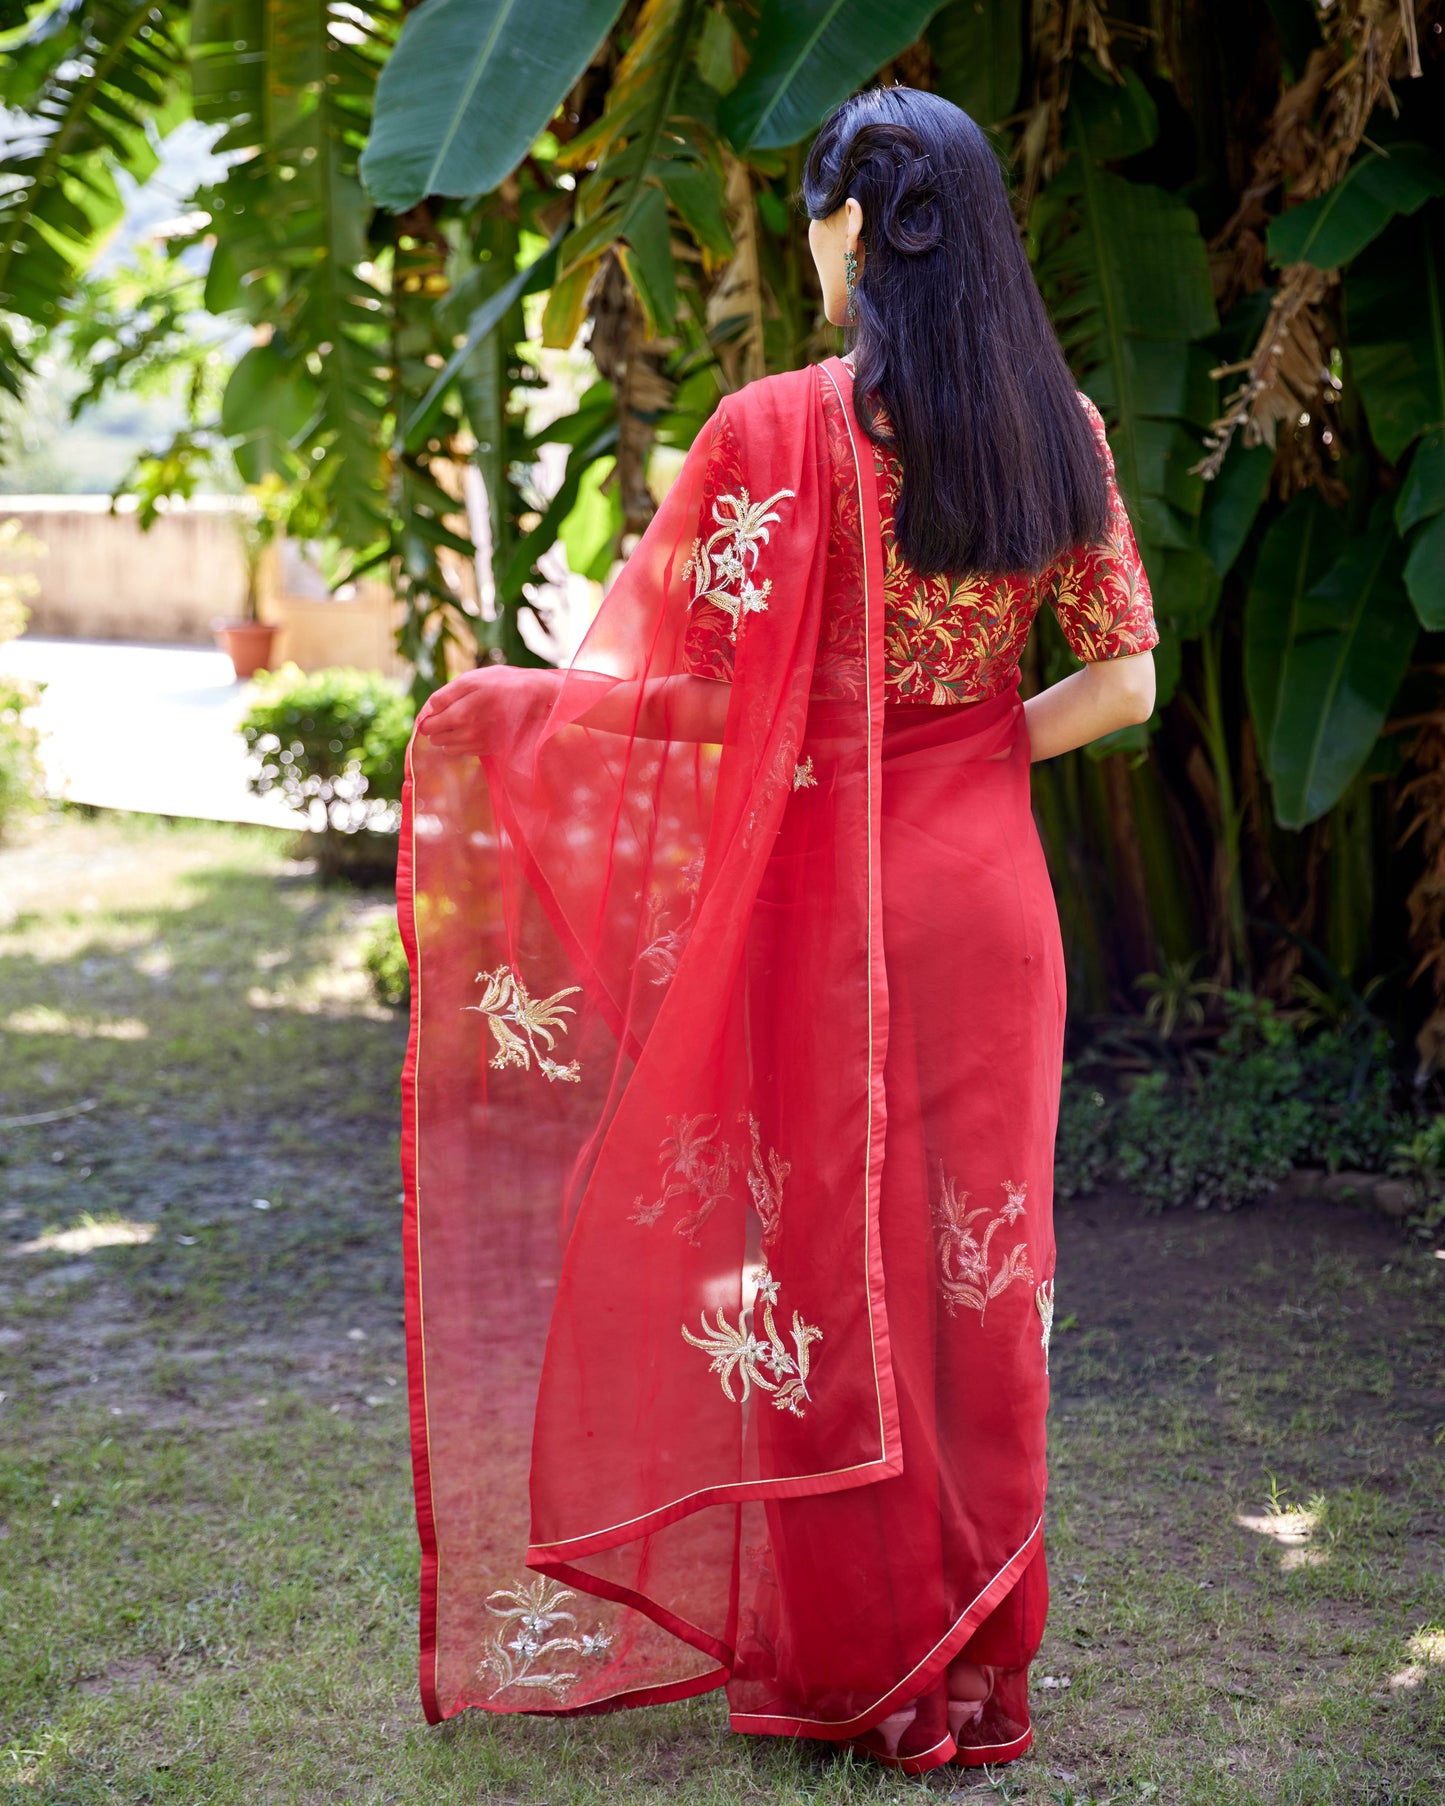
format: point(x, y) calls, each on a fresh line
point(850, 277)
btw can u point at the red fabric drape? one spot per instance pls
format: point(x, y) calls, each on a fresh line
point(728, 1128)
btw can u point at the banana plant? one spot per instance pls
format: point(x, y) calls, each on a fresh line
point(88, 84)
point(1395, 317)
point(1123, 268)
point(291, 86)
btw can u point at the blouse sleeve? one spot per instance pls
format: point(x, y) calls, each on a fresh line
point(1100, 592)
point(709, 639)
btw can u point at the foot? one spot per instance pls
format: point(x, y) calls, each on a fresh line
point(969, 1681)
point(891, 1729)
point(969, 1689)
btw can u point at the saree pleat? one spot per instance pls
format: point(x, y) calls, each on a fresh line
point(728, 1128)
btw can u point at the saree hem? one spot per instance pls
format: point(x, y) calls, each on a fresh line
point(960, 1755)
point(919, 1678)
point(664, 1693)
point(411, 1285)
point(545, 1557)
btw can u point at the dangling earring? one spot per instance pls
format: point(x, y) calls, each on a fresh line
point(850, 277)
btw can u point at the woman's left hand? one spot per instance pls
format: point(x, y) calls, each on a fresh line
point(478, 711)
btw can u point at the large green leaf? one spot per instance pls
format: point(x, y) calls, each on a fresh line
point(1123, 269)
point(470, 87)
point(92, 89)
point(1423, 491)
point(1231, 502)
point(1421, 498)
point(978, 56)
point(1351, 642)
point(1395, 329)
point(1425, 574)
point(269, 402)
point(652, 145)
point(1330, 230)
point(481, 323)
point(808, 55)
point(292, 81)
point(1301, 545)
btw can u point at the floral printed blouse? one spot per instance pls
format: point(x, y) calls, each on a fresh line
point(958, 637)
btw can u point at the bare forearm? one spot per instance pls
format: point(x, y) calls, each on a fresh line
point(679, 707)
point(1090, 703)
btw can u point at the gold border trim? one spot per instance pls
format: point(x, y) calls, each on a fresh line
point(868, 693)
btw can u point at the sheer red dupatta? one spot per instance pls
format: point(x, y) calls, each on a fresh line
point(643, 1108)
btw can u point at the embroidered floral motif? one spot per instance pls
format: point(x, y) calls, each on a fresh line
point(663, 949)
point(1044, 1299)
point(774, 782)
point(738, 1350)
point(765, 1182)
point(529, 1615)
point(803, 778)
point(697, 1163)
point(660, 956)
point(507, 1008)
point(966, 1274)
point(958, 637)
point(722, 566)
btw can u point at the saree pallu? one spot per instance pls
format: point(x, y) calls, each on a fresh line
point(728, 1127)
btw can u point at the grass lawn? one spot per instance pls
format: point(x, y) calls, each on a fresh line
point(208, 1562)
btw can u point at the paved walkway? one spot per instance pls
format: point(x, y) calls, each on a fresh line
point(150, 728)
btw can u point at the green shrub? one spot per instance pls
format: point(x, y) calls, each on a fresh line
point(1420, 1158)
point(385, 960)
point(20, 774)
point(333, 744)
point(1265, 1101)
point(1084, 1147)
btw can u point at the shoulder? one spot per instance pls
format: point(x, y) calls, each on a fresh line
point(782, 396)
point(1095, 418)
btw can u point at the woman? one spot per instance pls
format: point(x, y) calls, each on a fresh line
point(738, 1008)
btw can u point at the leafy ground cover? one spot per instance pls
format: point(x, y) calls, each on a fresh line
point(207, 1553)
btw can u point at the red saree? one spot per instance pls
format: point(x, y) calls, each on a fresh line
point(728, 1134)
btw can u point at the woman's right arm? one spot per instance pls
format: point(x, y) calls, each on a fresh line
point(481, 710)
point(1108, 693)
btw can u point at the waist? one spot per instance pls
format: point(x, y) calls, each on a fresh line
point(967, 729)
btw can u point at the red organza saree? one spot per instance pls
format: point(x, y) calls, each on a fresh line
point(728, 1134)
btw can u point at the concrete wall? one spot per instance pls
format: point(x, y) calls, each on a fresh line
point(102, 578)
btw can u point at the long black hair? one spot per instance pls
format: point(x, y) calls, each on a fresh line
point(1001, 470)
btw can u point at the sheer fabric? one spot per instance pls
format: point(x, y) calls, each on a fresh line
point(728, 1128)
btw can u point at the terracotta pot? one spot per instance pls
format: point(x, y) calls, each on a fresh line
point(248, 643)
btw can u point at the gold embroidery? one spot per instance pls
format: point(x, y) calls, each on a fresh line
point(664, 946)
point(663, 952)
point(722, 566)
point(1044, 1299)
point(738, 1350)
point(803, 778)
point(507, 1007)
point(765, 1182)
point(696, 1162)
point(966, 1274)
point(530, 1615)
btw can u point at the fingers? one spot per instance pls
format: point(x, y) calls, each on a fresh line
point(427, 720)
point(457, 740)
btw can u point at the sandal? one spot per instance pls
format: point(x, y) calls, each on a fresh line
point(891, 1729)
point(962, 1713)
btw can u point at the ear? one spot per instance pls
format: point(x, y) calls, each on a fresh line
point(853, 223)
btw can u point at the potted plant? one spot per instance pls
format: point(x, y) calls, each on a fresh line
point(247, 639)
